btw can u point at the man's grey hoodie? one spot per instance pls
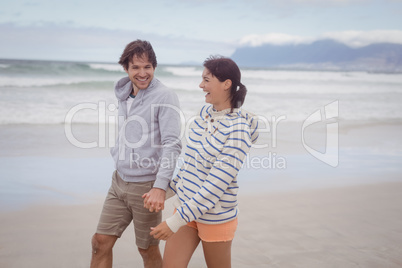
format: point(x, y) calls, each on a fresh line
point(148, 143)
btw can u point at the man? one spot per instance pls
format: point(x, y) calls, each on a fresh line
point(145, 156)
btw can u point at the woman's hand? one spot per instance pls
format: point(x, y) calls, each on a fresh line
point(162, 231)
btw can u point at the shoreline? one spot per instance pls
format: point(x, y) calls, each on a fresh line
point(46, 139)
point(37, 162)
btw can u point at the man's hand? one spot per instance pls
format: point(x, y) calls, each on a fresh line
point(161, 232)
point(154, 200)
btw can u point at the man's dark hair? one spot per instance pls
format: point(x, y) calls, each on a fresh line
point(139, 48)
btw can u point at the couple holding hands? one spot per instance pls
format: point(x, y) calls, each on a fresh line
point(205, 187)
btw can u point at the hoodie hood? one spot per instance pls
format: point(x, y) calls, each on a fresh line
point(124, 87)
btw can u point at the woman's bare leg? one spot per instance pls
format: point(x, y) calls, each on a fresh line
point(217, 254)
point(180, 247)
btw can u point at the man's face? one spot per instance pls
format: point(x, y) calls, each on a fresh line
point(140, 72)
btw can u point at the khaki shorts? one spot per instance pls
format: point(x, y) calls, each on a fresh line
point(123, 204)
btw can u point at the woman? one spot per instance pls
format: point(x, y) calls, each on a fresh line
point(206, 185)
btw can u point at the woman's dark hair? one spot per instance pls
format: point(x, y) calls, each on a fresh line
point(140, 49)
point(224, 68)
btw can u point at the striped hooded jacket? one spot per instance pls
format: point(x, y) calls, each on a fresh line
point(206, 185)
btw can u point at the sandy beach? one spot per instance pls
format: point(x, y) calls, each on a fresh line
point(305, 215)
point(357, 226)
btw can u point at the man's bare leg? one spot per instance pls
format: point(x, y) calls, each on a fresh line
point(102, 250)
point(151, 256)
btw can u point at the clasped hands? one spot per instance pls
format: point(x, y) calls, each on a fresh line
point(154, 201)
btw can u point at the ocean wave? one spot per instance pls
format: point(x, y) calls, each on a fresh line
point(46, 82)
point(183, 71)
point(17, 68)
point(106, 67)
point(320, 76)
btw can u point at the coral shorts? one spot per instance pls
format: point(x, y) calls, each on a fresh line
point(215, 232)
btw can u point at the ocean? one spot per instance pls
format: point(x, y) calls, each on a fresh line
point(318, 128)
point(43, 92)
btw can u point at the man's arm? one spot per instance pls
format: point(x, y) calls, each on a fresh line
point(169, 118)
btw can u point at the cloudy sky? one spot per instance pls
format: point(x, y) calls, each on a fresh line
point(186, 31)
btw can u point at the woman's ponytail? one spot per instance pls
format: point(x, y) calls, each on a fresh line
point(238, 96)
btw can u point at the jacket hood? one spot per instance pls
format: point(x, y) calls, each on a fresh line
point(124, 87)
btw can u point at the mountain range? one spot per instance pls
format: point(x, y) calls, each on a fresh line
point(323, 55)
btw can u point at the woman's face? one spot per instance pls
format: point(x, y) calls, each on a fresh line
point(217, 92)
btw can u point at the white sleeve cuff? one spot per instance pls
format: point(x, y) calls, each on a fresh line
point(175, 222)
